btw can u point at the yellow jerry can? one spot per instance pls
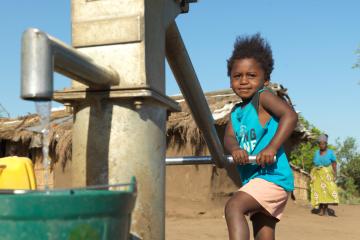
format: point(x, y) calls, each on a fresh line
point(17, 173)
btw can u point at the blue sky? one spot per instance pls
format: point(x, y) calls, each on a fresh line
point(313, 42)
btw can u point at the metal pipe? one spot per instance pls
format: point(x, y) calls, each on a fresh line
point(192, 160)
point(188, 82)
point(42, 54)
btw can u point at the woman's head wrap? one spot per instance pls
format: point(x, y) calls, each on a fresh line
point(323, 138)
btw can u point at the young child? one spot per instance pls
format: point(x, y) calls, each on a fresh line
point(259, 125)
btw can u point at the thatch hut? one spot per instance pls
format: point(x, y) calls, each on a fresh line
point(197, 182)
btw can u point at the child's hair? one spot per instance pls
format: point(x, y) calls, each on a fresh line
point(254, 47)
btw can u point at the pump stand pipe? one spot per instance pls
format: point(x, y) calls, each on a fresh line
point(43, 54)
point(183, 70)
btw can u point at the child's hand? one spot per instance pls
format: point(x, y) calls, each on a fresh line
point(240, 156)
point(266, 156)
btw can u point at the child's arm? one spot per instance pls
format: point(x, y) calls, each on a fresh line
point(278, 108)
point(240, 156)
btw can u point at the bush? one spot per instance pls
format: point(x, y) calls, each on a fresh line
point(302, 155)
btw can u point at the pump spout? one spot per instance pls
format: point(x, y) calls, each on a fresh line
point(42, 54)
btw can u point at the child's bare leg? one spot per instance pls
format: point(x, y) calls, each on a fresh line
point(263, 226)
point(235, 210)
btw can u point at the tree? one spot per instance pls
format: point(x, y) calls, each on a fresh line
point(346, 150)
point(303, 154)
point(349, 157)
point(351, 170)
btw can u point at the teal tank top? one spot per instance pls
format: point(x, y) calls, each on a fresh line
point(253, 137)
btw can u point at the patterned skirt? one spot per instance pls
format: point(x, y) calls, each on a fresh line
point(323, 187)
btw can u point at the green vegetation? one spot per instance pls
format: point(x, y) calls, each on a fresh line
point(349, 177)
point(303, 154)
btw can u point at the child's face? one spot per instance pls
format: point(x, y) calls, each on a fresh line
point(247, 77)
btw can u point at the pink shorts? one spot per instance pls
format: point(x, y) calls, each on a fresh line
point(271, 197)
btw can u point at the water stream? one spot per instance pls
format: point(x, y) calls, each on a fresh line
point(43, 109)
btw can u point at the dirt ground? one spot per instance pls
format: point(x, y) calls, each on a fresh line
point(186, 220)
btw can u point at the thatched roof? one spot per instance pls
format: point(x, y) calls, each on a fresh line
point(181, 128)
point(25, 131)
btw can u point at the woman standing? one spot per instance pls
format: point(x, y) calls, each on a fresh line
point(323, 188)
